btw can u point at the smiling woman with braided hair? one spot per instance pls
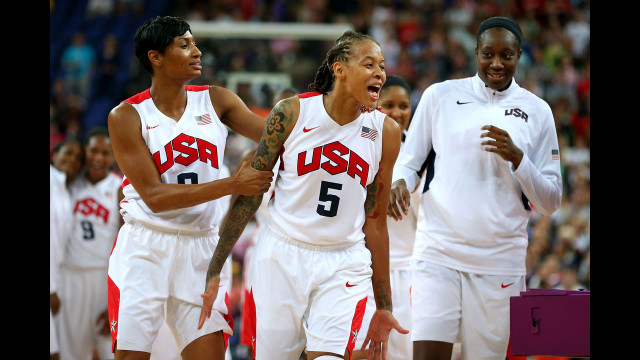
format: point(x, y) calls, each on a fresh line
point(326, 242)
point(491, 150)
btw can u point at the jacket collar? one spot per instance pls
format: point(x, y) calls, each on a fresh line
point(493, 95)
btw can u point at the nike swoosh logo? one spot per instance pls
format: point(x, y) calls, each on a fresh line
point(307, 130)
point(151, 127)
point(350, 285)
point(462, 103)
point(505, 286)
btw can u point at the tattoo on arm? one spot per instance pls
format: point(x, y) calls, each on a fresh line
point(239, 215)
point(244, 207)
point(382, 294)
point(371, 204)
point(273, 136)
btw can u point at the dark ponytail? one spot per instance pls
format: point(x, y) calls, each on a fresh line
point(340, 51)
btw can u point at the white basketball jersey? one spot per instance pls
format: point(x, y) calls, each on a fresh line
point(189, 151)
point(325, 169)
point(96, 221)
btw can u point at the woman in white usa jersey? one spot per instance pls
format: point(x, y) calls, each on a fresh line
point(169, 142)
point(326, 241)
point(491, 150)
point(83, 320)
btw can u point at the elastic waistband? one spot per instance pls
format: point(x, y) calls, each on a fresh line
point(155, 227)
point(281, 235)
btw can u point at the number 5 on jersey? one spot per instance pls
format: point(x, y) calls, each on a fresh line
point(325, 196)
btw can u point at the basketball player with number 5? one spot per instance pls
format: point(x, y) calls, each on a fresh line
point(326, 242)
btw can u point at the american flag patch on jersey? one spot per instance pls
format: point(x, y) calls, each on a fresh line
point(555, 155)
point(203, 119)
point(368, 133)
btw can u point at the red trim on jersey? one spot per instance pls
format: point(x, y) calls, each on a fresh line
point(248, 327)
point(113, 301)
point(229, 320)
point(125, 182)
point(308, 94)
point(196, 87)
point(142, 96)
point(139, 97)
point(356, 323)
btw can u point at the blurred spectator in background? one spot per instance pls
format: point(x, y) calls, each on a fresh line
point(107, 68)
point(78, 61)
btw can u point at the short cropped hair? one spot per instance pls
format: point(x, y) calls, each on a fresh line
point(157, 34)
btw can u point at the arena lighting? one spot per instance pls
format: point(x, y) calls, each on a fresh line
point(267, 30)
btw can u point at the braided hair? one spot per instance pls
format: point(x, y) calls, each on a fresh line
point(340, 51)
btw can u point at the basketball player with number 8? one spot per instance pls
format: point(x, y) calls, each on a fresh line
point(169, 142)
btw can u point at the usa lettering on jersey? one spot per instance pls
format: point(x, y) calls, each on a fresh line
point(186, 155)
point(335, 164)
point(517, 113)
point(90, 206)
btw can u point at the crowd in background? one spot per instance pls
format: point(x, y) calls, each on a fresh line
point(93, 68)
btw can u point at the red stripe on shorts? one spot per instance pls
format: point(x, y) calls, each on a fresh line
point(229, 320)
point(248, 329)
point(114, 244)
point(113, 306)
point(356, 323)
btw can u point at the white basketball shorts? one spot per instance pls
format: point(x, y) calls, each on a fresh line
point(455, 306)
point(149, 268)
point(307, 297)
point(83, 298)
point(400, 346)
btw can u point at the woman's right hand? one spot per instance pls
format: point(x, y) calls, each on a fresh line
point(248, 181)
point(54, 303)
point(399, 200)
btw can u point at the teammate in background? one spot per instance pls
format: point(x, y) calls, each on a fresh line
point(492, 150)
point(68, 157)
point(248, 313)
point(67, 160)
point(169, 142)
point(326, 241)
point(83, 322)
point(395, 101)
